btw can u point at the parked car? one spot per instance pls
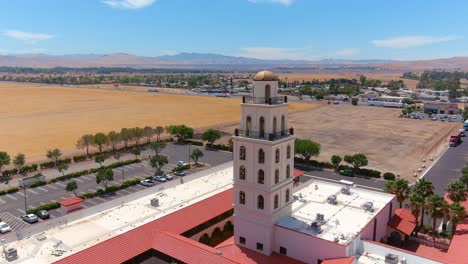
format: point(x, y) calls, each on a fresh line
point(346, 172)
point(4, 228)
point(30, 218)
point(147, 183)
point(168, 177)
point(159, 179)
point(43, 214)
point(180, 173)
point(181, 163)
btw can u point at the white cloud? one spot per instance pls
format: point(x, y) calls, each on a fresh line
point(270, 53)
point(282, 2)
point(347, 52)
point(27, 36)
point(128, 4)
point(411, 41)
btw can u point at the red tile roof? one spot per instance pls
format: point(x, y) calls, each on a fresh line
point(298, 173)
point(403, 221)
point(245, 256)
point(347, 260)
point(456, 252)
point(71, 201)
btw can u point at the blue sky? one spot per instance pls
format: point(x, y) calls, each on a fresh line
point(266, 29)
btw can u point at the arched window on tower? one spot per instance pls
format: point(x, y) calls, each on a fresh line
point(248, 126)
point(283, 125)
point(276, 176)
point(288, 152)
point(260, 202)
point(242, 197)
point(261, 156)
point(276, 201)
point(277, 155)
point(242, 153)
point(274, 126)
point(262, 127)
point(267, 92)
point(287, 196)
point(288, 171)
point(261, 177)
point(242, 173)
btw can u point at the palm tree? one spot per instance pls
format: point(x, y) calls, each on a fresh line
point(437, 208)
point(400, 188)
point(425, 188)
point(456, 214)
point(457, 191)
point(416, 203)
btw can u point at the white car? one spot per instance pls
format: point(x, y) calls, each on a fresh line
point(147, 183)
point(30, 218)
point(4, 228)
point(181, 163)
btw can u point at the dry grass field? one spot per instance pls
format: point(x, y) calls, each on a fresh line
point(391, 143)
point(35, 118)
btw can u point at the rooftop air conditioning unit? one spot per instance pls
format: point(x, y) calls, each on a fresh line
point(391, 258)
point(320, 218)
point(345, 190)
point(368, 206)
point(154, 202)
point(332, 199)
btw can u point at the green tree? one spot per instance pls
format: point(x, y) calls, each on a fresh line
point(62, 168)
point(336, 160)
point(465, 113)
point(306, 148)
point(196, 154)
point(425, 188)
point(362, 80)
point(104, 176)
point(158, 162)
point(148, 132)
point(138, 133)
point(135, 151)
point(99, 140)
point(99, 158)
point(456, 214)
point(158, 146)
point(4, 159)
point(357, 160)
point(158, 131)
point(400, 188)
point(211, 135)
point(54, 155)
point(19, 161)
point(437, 208)
point(457, 191)
point(114, 139)
point(71, 186)
point(181, 132)
point(84, 142)
point(126, 136)
point(416, 204)
point(354, 101)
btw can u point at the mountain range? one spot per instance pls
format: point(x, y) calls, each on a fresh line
point(222, 62)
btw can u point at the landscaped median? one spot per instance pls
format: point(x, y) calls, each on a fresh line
point(73, 175)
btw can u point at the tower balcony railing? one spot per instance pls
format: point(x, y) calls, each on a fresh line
point(263, 135)
point(264, 100)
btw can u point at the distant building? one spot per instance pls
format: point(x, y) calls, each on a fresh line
point(441, 108)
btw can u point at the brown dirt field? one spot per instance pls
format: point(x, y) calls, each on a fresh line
point(35, 118)
point(391, 143)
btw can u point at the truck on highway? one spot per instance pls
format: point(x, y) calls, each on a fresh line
point(455, 139)
point(465, 125)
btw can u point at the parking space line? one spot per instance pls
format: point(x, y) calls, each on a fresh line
point(11, 196)
point(21, 211)
point(32, 191)
point(61, 184)
point(87, 177)
point(42, 189)
point(91, 190)
point(42, 203)
point(20, 193)
point(91, 202)
point(52, 186)
point(78, 180)
point(99, 198)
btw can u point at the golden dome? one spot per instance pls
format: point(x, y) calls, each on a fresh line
point(265, 76)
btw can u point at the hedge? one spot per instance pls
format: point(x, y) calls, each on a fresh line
point(25, 169)
point(314, 163)
point(368, 172)
point(70, 176)
point(12, 190)
point(389, 176)
point(11, 172)
point(183, 167)
point(220, 147)
point(51, 164)
point(196, 143)
point(79, 158)
point(37, 184)
point(47, 207)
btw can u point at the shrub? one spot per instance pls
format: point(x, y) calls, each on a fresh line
point(12, 190)
point(99, 191)
point(87, 196)
point(112, 188)
point(11, 172)
point(220, 147)
point(37, 184)
point(2, 193)
point(47, 165)
point(79, 158)
point(183, 167)
point(389, 176)
point(196, 143)
point(130, 183)
point(368, 172)
point(70, 176)
point(47, 207)
point(25, 169)
point(354, 101)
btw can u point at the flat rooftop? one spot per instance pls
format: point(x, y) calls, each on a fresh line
point(341, 222)
point(134, 210)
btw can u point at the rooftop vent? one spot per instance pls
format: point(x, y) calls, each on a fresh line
point(391, 258)
point(368, 206)
point(345, 190)
point(332, 199)
point(320, 218)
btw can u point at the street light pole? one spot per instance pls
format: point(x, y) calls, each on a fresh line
point(25, 202)
point(189, 152)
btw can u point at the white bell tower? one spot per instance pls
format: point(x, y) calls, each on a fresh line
point(263, 165)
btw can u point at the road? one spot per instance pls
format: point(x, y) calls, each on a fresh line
point(448, 167)
point(13, 205)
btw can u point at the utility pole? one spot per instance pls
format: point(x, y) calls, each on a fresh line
point(25, 200)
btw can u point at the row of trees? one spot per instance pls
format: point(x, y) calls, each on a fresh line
point(423, 201)
point(18, 161)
